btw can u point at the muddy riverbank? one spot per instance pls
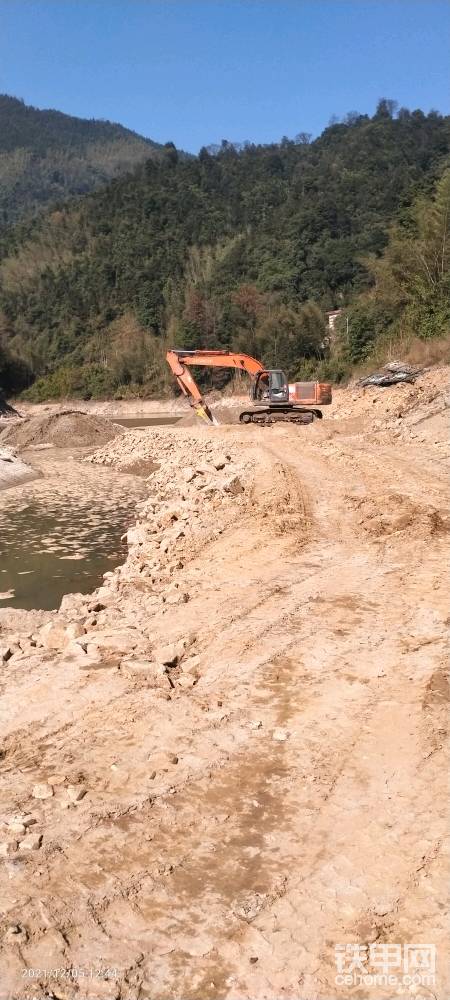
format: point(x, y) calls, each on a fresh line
point(232, 754)
point(60, 534)
point(13, 468)
point(61, 529)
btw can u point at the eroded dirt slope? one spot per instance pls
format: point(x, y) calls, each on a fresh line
point(241, 737)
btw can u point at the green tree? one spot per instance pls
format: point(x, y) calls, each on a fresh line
point(288, 335)
point(414, 273)
point(229, 248)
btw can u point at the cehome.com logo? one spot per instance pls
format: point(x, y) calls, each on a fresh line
point(385, 964)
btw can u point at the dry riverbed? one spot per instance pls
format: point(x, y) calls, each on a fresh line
point(230, 758)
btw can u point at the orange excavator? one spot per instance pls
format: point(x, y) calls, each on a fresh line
point(272, 397)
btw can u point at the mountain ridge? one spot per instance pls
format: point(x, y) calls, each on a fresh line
point(47, 156)
point(244, 249)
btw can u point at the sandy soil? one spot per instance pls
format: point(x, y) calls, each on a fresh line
point(63, 429)
point(223, 814)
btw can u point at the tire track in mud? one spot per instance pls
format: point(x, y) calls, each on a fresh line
point(231, 785)
point(255, 985)
point(236, 874)
point(252, 771)
point(244, 794)
point(184, 826)
point(362, 722)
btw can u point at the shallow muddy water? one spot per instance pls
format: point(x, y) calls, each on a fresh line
point(61, 532)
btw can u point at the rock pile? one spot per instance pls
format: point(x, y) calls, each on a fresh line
point(406, 413)
point(194, 476)
point(17, 833)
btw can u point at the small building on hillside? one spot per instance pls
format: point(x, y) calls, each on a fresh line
point(332, 316)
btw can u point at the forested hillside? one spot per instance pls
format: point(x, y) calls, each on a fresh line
point(46, 156)
point(236, 247)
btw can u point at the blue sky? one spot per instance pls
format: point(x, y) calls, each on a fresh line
point(198, 71)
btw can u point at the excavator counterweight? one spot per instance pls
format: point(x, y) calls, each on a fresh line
point(273, 398)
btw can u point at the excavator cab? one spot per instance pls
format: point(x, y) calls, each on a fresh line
point(270, 387)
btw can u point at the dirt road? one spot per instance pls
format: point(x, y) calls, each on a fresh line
point(288, 800)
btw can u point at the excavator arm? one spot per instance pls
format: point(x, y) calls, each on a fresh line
point(179, 362)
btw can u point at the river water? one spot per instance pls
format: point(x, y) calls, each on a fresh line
point(59, 533)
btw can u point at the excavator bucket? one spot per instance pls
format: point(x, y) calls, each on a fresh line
point(205, 413)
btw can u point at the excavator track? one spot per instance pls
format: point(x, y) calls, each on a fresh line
point(277, 415)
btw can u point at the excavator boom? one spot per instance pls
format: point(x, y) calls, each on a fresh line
point(178, 360)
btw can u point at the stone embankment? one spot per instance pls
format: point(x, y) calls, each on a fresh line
point(199, 486)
